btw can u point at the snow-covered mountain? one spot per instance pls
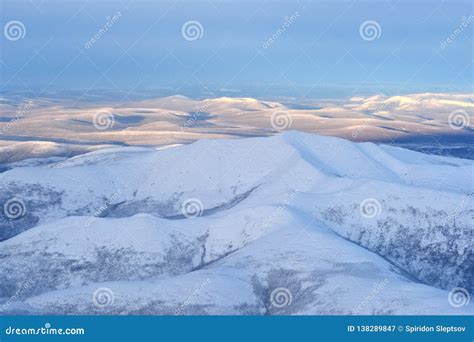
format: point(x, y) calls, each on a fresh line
point(289, 224)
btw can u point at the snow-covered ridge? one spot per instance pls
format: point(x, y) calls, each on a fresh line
point(292, 210)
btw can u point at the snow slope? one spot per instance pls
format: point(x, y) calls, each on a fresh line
point(233, 226)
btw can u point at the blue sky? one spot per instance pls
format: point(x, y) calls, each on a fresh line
point(320, 53)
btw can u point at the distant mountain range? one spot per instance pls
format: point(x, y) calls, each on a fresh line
point(68, 126)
